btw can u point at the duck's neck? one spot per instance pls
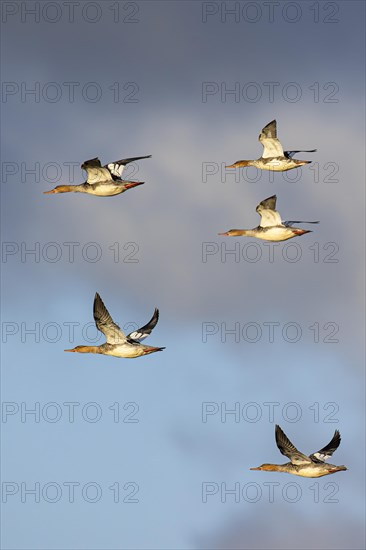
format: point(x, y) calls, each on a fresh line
point(69, 188)
point(241, 233)
point(242, 164)
point(86, 349)
point(277, 467)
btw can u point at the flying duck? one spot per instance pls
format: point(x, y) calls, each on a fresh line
point(271, 227)
point(102, 181)
point(300, 464)
point(117, 343)
point(273, 156)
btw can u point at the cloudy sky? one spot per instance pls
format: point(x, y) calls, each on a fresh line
point(155, 452)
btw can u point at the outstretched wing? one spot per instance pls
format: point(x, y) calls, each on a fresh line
point(288, 449)
point(327, 451)
point(105, 323)
point(96, 173)
point(144, 331)
point(116, 168)
point(291, 223)
point(290, 154)
point(268, 138)
point(268, 213)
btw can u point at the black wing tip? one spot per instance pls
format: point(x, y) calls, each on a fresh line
point(98, 303)
point(97, 300)
point(330, 448)
point(128, 160)
point(278, 431)
point(280, 437)
point(155, 317)
point(144, 157)
point(265, 201)
point(267, 127)
point(86, 162)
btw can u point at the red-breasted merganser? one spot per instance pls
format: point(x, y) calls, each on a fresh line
point(302, 465)
point(102, 181)
point(273, 156)
point(271, 227)
point(118, 344)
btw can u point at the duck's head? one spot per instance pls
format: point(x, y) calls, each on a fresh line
point(240, 163)
point(233, 233)
point(266, 467)
point(59, 189)
point(84, 349)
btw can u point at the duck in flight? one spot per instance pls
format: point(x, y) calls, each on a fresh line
point(102, 181)
point(300, 464)
point(273, 156)
point(117, 343)
point(271, 227)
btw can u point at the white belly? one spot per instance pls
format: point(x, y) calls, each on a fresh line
point(125, 351)
point(276, 165)
point(276, 234)
point(107, 190)
point(310, 472)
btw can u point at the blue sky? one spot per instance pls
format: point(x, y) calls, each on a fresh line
point(159, 80)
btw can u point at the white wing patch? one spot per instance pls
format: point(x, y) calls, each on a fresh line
point(137, 335)
point(143, 332)
point(321, 456)
point(116, 169)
